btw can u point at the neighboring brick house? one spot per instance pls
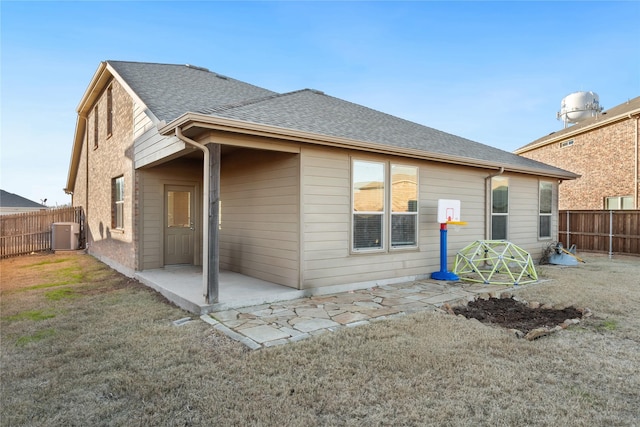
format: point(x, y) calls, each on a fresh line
point(603, 150)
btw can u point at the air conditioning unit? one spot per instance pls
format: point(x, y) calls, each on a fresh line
point(65, 236)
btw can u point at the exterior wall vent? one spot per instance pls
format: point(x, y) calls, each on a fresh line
point(65, 236)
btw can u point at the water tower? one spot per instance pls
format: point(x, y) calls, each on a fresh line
point(578, 106)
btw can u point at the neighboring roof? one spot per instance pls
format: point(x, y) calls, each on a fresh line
point(619, 112)
point(10, 200)
point(170, 90)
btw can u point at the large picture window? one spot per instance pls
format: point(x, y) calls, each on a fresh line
point(546, 200)
point(368, 205)
point(117, 216)
point(404, 206)
point(385, 206)
point(499, 207)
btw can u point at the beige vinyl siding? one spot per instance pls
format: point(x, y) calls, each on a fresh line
point(152, 187)
point(149, 146)
point(326, 186)
point(259, 235)
point(524, 214)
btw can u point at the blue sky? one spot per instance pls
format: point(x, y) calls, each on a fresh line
point(493, 72)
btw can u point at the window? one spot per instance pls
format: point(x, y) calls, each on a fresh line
point(622, 202)
point(568, 143)
point(499, 207)
point(374, 196)
point(117, 214)
point(95, 127)
point(109, 111)
point(546, 200)
point(368, 205)
point(404, 206)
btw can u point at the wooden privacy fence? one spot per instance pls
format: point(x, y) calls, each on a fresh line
point(612, 232)
point(31, 232)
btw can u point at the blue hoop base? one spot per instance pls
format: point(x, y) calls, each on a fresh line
point(444, 275)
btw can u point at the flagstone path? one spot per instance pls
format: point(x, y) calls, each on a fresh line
point(284, 322)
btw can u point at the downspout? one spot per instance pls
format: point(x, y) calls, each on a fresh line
point(635, 174)
point(205, 209)
point(85, 226)
point(487, 191)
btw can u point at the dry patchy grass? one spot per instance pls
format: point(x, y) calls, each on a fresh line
point(106, 353)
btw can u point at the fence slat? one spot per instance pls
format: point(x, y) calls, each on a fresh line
point(612, 232)
point(31, 232)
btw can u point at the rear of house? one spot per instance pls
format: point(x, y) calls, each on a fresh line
point(178, 165)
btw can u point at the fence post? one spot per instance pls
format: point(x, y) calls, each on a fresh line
point(568, 232)
point(610, 234)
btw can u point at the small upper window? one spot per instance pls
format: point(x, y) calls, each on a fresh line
point(568, 143)
point(95, 127)
point(109, 111)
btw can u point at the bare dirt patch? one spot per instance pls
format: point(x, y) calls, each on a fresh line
point(511, 314)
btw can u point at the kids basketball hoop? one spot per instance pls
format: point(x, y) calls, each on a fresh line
point(448, 213)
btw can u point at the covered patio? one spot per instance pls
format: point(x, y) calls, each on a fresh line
point(182, 285)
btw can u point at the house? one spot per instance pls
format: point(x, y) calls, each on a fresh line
point(12, 204)
point(603, 150)
point(174, 164)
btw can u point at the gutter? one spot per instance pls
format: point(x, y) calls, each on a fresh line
point(635, 175)
point(205, 209)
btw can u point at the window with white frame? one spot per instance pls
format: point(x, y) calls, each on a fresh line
point(565, 144)
point(404, 206)
point(95, 127)
point(385, 206)
point(109, 111)
point(499, 207)
point(621, 202)
point(117, 214)
point(368, 205)
point(544, 211)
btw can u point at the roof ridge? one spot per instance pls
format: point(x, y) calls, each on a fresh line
point(253, 101)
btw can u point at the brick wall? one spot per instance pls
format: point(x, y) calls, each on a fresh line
point(113, 157)
point(605, 159)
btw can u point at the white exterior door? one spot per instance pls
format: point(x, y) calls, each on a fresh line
point(179, 222)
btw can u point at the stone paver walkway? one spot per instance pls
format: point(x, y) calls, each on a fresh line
point(283, 322)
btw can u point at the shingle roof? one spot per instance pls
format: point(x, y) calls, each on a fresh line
point(602, 118)
point(170, 91)
point(10, 200)
point(312, 111)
